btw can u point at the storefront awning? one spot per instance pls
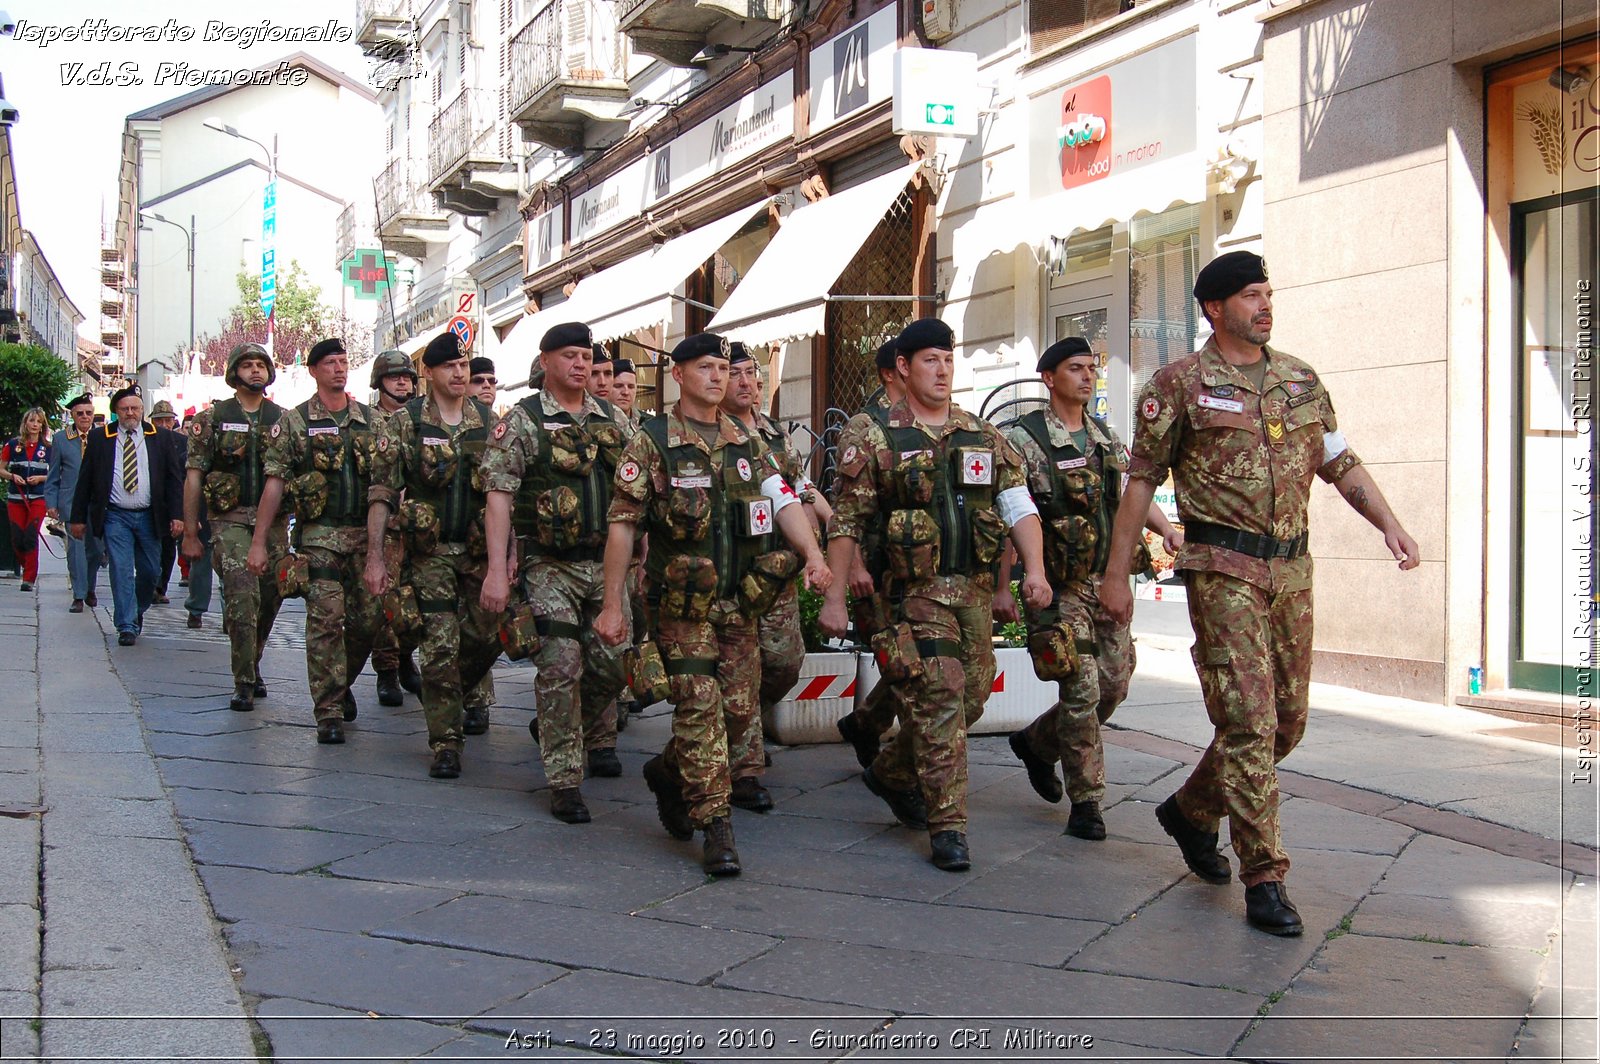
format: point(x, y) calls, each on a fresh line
point(784, 295)
point(416, 343)
point(1119, 198)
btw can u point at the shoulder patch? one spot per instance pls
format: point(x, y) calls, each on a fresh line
point(850, 455)
point(628, 471)
point(500, 430)
point(197, 428)
point(276, 430)
point(383, 443)
point(1151, 408)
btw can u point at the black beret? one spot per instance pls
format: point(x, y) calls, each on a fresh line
point(601, 355)
point(80, 400)
point(738, 353)
point(1062, 350)
point(698, 346)
point(322, 349)
point(623, 365)
point(887, 355)
point(481, 365)
point(1227, 274)
point(924, 333)
point(441, 349)
point(122, 393)
point(567, 334)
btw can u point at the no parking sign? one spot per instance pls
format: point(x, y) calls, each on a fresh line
point(462, 326)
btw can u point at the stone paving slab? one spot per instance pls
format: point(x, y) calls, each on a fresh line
point(308, 1031)
point(118, 818)
point(1312, 825)
point(265, 809)
point(19, 860)
point(322, 903)
point(1475, 921)
point(272, 849)
point(19, 948)
point(1127, 876)
point(1441, 868)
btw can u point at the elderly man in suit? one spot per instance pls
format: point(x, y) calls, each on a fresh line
point(66, 459)
point(129, 491)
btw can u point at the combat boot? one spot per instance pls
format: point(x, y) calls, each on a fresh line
point(349, 705)
point(949, 851)
point(718, 857)
point(603, 762)
point(243, 700)
point(446, 765)
point(410, 678)
point(748, 793)
point(260, 688)
point(389, 693)
point(671, 809)
point(566, 805)
point(1268, 908)
point(1041, 773)
point(475, 720)
point(330, 731)
point(908, 807)
point(1199, 848)
point(1085, 821)
point(860, 738)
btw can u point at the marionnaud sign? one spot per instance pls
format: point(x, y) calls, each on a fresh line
point(854, 69)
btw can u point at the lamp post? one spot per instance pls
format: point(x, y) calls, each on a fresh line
point(188, 236)
point(269, 216)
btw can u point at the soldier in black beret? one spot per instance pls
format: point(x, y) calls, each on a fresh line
point(322, 349)
point(600, 372)
point(1062, 350)
point(445, 347)
point(1227, 274)
point(923, 334)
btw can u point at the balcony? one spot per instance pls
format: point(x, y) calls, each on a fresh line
point(408, 227)
point(675, 30)
point(344, 234)
point(111, 255)
point(386, 32)
point(111, 308)
point(111, 277)
point(111, 338)
point(464, 160)
point(569, 67)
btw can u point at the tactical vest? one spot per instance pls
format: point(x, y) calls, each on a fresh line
point(343, 455)
point(929, 477)
point(1079, 508)
point(726, 508)
point(239, 452)
point(442, 470)
point(575, 462)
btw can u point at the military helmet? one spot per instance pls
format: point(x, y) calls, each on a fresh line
point(391, 363)
point(242, 352)
point(162, 409)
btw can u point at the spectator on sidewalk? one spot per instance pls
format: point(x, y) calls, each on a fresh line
point(26, 460)
point(129, 489)
point(66, 460)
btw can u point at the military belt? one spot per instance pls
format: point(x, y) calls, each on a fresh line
point(557, 629)
point(325, 572)
point(1251, 543)
point(427, 605)
point(569, 554)
point(1086, 646)
point(691, 667)
point(938, 648)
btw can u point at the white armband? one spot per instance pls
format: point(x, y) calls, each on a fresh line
point(778, 490)
point(1333, 446)
point(1015, 504)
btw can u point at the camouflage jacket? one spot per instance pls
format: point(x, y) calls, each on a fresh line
point(1107, 457)
point(288, 456)
point(208, 434)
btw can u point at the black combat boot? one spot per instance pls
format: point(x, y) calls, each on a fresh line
point(1085, 821)
point(1268, 908)
point(1199, 848)
point(860, 738)
point(603, 762)
point(260, 689)
point(908, 807)
point(410, 678)
point(330, 731)
point(349, 705)
point(949, 851)
point(1041, 773)
point(566, 805)
point(446, 765)
point(671, 809)
point(389, 692)
point(243, 700)
point(719, 858)
point(475, 720)
point(748, 793)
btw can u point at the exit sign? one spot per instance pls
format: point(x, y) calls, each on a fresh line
point(936, 91)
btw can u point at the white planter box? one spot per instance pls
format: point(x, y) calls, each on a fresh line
point(831, 683)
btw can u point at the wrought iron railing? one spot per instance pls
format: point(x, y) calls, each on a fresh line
point(394, 190)
point(450, 136)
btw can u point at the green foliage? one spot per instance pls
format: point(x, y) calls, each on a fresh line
point(31, 376)
point(810, 607)
point(299, 304)
point(1014, 633)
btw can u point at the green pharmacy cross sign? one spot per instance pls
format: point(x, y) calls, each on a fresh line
point(367, 272)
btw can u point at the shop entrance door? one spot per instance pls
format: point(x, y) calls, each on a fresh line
point(1088, 309)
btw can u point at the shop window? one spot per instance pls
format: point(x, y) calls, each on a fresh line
point(886, 264)
point(1163, 318)
point(1053, 21)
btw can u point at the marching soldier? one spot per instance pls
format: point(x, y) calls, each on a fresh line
point(394, 378)
point(942, 487)
point(1074, 464)
point(1243, 429)
point(430, 452)
point(324, 448)
point(709, 495)
point(783, 648)
point(227, 443)
point(482, 385)
point(548, 472)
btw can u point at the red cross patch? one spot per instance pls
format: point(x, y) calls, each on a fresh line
point(1151, 408)
point(500, 430)
point(383, 443)
point(628, 471)
point(276, 429)
point(760, 516)
point(743, 465)
point(977, 467)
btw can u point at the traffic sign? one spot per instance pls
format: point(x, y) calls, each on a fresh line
point(465, 331)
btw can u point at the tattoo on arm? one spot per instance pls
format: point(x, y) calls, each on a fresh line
point(1357, 497)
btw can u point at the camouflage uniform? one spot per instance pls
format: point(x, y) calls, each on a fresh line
point(668, 481)
point(877, 711)
point(1243, 460)
point(579, 675)
point(328, 459)
point(436, 467)
point(1077, 495)
point(941, 577)
point(227, 444)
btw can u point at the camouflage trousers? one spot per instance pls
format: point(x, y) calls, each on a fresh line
point(713, 668)
point(783, 651)
point(1069, 731)
point(875, 712)
point(1252, 649)
point(249, 602)
point(579, 674)
point(460, 640)
point(341, 617)
point(387, 646)
point(938, 707)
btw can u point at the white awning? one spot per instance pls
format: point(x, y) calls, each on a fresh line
point(1121, 198)
point(415, 344)
point(783, 296)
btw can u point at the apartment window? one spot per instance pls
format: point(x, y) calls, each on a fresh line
point(1053, 21)
point(388, 139)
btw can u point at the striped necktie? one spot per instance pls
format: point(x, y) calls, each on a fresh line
point(130, 465)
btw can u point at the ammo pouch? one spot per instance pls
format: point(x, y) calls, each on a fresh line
point(221, 491)
point(1079, 488)
point(558, 518)
point(610, 442)
point(326, 450)
point(768, 575)
point(911, 544)
point(294, 576)
point(1054, 650)
point(914, 479)
point(438, 462)
point(519, 632)
point(896, 652)
point(400, 608)
point(988, 534)
point(689, 587)
point(571, 452)
point(647, 673)
point(1058, 551)
point(310, 495)
point(421, 524)
point(688, 518)
point(1143, 563)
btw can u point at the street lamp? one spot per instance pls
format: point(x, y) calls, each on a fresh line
point(269, 207)
point(188, 236)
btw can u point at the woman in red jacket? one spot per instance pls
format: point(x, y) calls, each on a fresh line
point(26, 461)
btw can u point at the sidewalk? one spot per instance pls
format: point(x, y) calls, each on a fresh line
point(323, 902)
